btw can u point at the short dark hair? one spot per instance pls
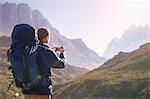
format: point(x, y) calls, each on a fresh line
point(42, 33)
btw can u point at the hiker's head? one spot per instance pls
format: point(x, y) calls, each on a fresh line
point(43, 35)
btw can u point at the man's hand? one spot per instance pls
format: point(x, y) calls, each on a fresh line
point(59, 49)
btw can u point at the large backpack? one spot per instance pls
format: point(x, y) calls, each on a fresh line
point(23, 57)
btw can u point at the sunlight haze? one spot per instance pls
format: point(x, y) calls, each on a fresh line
point(96, 22)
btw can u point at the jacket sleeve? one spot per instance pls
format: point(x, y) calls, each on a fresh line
point(57, 62)
point(49, 58)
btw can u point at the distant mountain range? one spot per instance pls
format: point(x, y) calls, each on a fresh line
point(130, 40)
point(78, 54)
point(126, 75)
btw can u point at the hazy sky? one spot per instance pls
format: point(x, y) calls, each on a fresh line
point(95, 21)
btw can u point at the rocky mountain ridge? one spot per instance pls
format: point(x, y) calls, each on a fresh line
point(130, 40)
point(78, 54)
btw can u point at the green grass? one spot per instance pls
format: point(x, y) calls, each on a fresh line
point(5, 79)
point(127, 79)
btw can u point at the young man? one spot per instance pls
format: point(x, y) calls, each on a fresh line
point(46, 59)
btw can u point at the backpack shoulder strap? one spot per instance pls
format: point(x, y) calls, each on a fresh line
point(25, 67)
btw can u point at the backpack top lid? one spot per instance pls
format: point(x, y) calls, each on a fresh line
point(23, 33)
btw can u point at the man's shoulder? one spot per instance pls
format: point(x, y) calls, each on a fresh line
point(41, 46)
point(44, 47)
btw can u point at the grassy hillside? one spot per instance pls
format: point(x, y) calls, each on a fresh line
point(6, 79)
point(4, 41)
point(127, 75)
point(63, 75)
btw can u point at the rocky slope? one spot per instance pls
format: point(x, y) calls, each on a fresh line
point(130, 40)
point(12, 14)
point(127, 75)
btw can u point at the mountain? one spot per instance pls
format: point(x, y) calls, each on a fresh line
point(12, 14)
point(130, 40)
point(5, 41)
point(126, 75)
point(63, 75)
point(58, 75)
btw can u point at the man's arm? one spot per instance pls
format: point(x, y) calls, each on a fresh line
point(50, 58)
point(58, 61)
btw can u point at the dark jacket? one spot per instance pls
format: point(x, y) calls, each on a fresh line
point(46, 59)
